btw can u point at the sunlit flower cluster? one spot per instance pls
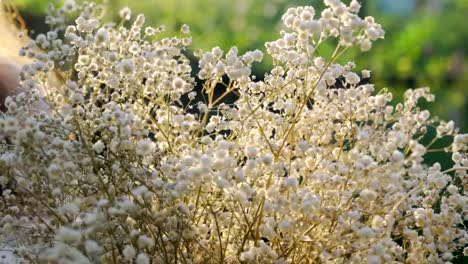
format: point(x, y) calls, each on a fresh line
point(114, 155)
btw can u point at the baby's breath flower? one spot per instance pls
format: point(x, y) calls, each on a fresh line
point(127, 66)
point(145, 147)
point(69, 5)
point(98, 146)
point(54, 171)
point(366, 74)
point(366, 232)
point(92, 247)
point(354, 6)
point(139, 21)
point(397, 156)
point(366, 45)
point(178, 83)
point(373, 259)
point(380, 100)
point(251, 151)
point(125, 13)
point(84, 60)
point(150, 31)
point(129, 252)
point(185, 29)
point(145, 242)
point(102, 37)
point(368, 195)
point(118, 166)
point(142, 258)
point(352, 78)
point(68, 235)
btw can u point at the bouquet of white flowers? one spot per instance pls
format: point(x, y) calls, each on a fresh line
point(129, 163)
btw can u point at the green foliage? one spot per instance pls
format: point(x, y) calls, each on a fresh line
point(427, 49)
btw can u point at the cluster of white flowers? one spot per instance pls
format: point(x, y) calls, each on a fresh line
point(308, 165)
point(336, 21)
point(214, 67)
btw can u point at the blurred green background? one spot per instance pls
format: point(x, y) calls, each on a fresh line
point(426, 42)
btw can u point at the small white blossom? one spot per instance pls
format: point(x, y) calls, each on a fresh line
point(92, 247)
point(145, 147)
point(251, 151)
point(125, 13)
point(380, 100)
point(352, 78)
point(366, 232)
point(142, 258)
point(68, 235)
point(127, 66)
point(102, 37)
point(99, 146)
point(368, 195)
point(69, 5)
point(129, 252)
point(145, 242)
point(185, 29)
point(178, 83)
point(397, 156)
point(366, 74)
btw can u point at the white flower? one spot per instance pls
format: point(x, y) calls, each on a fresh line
point(142, 258)
point(54, 171)
point(192, 95)
point(257, 55)
point(267, 159)
point(129, 252)
point(125, 13)
point(352, 78)
point(268, 232)
point(366, 232)
point(68, 235)
point(314, 27)
point(366, 45)
point(145, 147)
point(366, 74)
point(285, 225)
point(139, 21)
point(374, 33)
point(99, 146)
point(145, 242)
point(291, 182)
point(373, 259)
point(102, 37)
point(92, 247)
point(309, 203)
point(69, 5)
point(10, 124)
point(150, 31)
point(178, 83)
point(368, 195)
point(247, 256)
point(380, 100)
point(102, 202)
point(397, 156)
point(251, 151)
point(354, 6)
point(378, 222)
point(185, 29)
point(127, 66)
